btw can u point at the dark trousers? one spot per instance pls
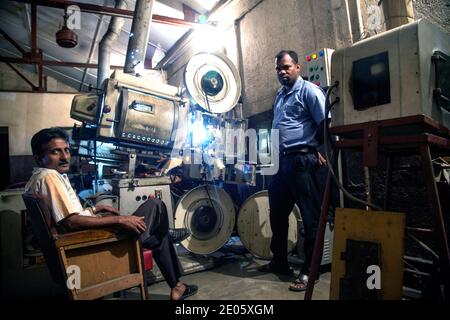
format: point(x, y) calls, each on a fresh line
point(295, 183)
point(156, 239)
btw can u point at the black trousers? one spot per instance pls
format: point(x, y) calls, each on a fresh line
point(295, 183)
point(156, 239)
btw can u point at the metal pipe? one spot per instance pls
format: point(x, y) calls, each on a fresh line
point(140, 30)
point(397, 13)
point(91, 51)
point(54, 63)
point(356, 20)
point(104, 48)
point(359, 21)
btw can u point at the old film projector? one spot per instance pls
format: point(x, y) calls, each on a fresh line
point(214, 87)
point(208, 211)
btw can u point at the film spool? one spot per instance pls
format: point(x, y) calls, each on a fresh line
point(212, 82)
point(253, 225)
point(208, 212)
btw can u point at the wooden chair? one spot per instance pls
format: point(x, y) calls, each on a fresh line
point(108, 262)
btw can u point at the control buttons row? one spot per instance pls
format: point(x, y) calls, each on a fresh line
point(133, 136)
point(315, 56)
point(157, 195)
point(315, 68)
point(316, 77)
point(143, 198)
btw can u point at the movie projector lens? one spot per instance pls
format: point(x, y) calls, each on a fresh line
point(212, 82)
point(208, 212)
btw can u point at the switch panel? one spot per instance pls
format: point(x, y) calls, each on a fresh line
point(318, 67)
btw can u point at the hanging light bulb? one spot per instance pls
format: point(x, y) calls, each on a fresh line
point(66, 37)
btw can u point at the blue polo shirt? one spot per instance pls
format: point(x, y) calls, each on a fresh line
point(297, 113)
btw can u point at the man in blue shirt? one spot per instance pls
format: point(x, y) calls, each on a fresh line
point(299, 113)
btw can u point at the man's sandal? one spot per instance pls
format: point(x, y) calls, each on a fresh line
point(300, 283)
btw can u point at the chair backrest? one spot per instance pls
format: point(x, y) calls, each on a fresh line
point(45, 231)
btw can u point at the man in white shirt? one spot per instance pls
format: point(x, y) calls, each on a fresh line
point(51, 151)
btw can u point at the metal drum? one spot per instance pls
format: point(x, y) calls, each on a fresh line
point(253, 225)
point(208, 212)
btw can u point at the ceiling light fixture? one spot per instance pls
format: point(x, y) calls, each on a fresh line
point(66, 37)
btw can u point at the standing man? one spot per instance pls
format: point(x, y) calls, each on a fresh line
point(52, 154)
point(299, 113)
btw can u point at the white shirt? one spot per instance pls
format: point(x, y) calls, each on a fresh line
point(58, 194)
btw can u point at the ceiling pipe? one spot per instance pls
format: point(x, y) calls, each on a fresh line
point(91, 50)
point(140, 31)
point(104, 48)
point(397, 13)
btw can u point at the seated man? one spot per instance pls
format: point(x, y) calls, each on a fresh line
point(51, 151)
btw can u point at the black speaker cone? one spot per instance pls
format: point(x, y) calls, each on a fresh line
point(212, 83)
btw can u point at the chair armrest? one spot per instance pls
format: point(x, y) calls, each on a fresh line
point(87, 236)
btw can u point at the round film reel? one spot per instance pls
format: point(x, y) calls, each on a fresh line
point(209, 214)
point(212, 81)
point(253, 225)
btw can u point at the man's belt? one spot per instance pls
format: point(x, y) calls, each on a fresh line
point(298, 149)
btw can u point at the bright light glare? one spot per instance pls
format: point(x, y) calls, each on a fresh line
point(199, 133)
point(207, 4)
point(208, 39)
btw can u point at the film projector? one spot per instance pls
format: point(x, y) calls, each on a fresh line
point(141, 119)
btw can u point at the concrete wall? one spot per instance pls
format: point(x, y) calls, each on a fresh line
point(10, 81)
point(437, 11)
point(26, 113)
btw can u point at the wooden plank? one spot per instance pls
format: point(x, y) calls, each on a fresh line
point(414, 139)
point(395, 140)
point(91, 243)
point(428, 124)
point(370, 147)
point(384, 228)
point(85, 236)
point(103, 262)
point(143, 285)
point(65, 264)
point(108, 287)
point(349, 143)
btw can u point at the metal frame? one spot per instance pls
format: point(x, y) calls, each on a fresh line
point(428, 133)
point(36, 55)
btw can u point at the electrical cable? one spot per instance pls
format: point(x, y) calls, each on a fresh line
point(206, 100)
point(423, 245)
point(327, 139)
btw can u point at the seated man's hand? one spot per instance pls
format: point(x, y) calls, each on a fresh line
point(133, 223)
point(106, 209)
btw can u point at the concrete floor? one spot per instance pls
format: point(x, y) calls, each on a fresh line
point(235, 277)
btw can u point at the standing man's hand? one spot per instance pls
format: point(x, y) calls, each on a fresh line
point(321, 159)
point(133, 223)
